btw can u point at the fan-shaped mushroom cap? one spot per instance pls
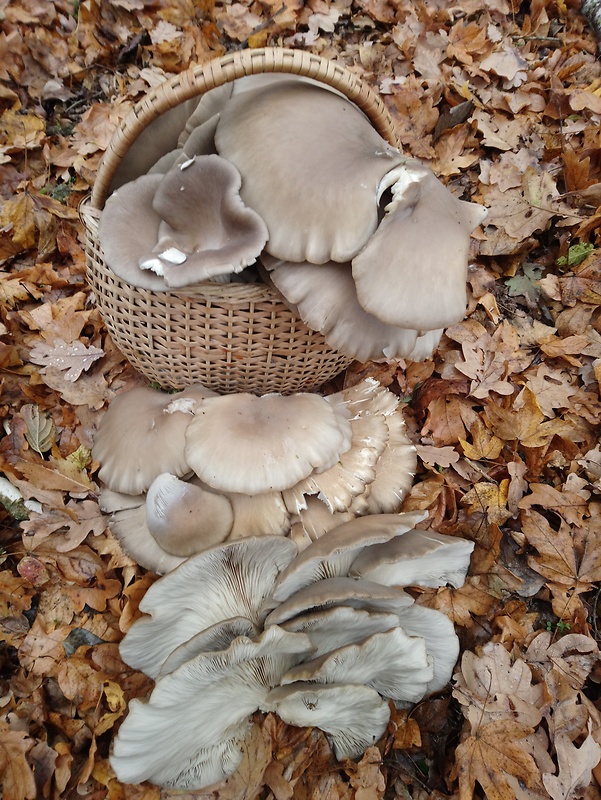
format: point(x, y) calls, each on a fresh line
point(247, 444)
point(337, 486)
point(353, 717)
point(129, 527)
point(229, 580)
point(158, 137)
point(311, 164)
point(394, 470)
point(442, 643)
point(258, 514)
point(208, 107)
point(394, 664)
point(198, 706)
point(326, 300)
point(425, 345)
point(418, 558)
point(128, 227)
point(340, 592)
point(141, 435)
point(332, 555)
point(340, 625)
point(206, 229)
point(412, 272)
point(314, 521)
point(184, 518)
point(217, 637)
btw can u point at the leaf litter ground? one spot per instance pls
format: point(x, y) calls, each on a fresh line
point(503, 99)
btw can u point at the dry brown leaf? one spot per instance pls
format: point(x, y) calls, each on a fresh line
point(16, 776)
point(490, 755)
point(575, 766)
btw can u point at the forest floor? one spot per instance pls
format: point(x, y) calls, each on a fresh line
point(503, 100)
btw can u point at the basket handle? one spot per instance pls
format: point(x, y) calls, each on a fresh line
point(202, 78)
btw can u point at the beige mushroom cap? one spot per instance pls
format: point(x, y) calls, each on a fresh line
point(248, 444)
point(129, 527)
point(142, 434)
point(412, 272)
point(183, 518)
point(353, 717)
point(311, 163)
point(326, 300)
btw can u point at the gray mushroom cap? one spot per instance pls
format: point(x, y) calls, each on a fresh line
point(229, 580)
point(248, 444)
point(340, 625)
point(412, 272)
point(127, 220)
point(353, 717)
point(204, 702)
point(393, 663)
point(332, 555)
point(141, 435)
point(311, 164)
point(206, 230)
point(326, 300)
point(418, 558)
point(340, 591)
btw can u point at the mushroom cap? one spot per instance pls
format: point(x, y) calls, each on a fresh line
point(184, 518)
point(353, 717)
point(128, 227)
point(326, 300)
point(442, 642)
point(205, 220)
point(248, 444)
point(233, 579)
point(217, 637)
point(332, 555)
point(393, 663)
point(418, 558)
point(258, 515)
point(141, 435)
point(202, 703)
point(208, 107)
point(337, 486)
point(412, 272)
point(394, 470)
point(129, 527)
point(340, 591)
point(311, 164)
point(158, 138)
point(314, 521)
point(340, 625)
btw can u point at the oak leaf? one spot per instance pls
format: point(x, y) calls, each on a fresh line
point(16, 776)
point(575, 767)
point(74, 357)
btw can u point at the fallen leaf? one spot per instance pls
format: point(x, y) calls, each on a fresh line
point(15, 773)
point(575, 766)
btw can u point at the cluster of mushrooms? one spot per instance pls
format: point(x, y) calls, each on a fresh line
point(189, 470)
point(286, 174)
point(275, 522)
point(323, 637)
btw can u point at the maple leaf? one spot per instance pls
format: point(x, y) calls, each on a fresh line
point(15, 773)
point(489, 498)
point(491, 754)
point(74, 357)
point(575, 767)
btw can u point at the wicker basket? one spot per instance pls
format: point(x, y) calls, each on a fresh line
point(228, 337)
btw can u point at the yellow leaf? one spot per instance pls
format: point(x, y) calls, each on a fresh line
point(17, 215)
point(489, 498)
point(485, 445)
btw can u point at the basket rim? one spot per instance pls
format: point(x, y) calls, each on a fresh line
point(199, 79)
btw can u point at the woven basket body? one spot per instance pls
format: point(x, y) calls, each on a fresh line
point(228, 337)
